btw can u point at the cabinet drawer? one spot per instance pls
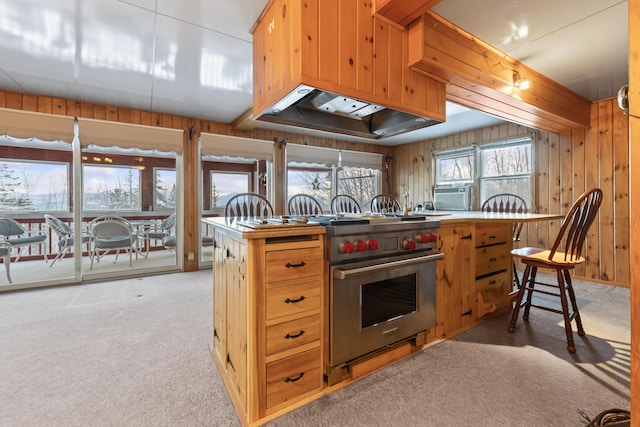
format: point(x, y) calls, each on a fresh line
point(497, 283)
point(288, 335)
point(293, 300)
point(493, 234)
point(290, 379)
point(491, 259)
point(294, 264)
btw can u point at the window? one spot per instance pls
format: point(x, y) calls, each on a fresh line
point(506, 168)
point(313, 181)
point(455, 167)
point(312, 170)
point(111, 188)
point(360, 183)
point(164, 195)
point(34, 186)
point(226, 184)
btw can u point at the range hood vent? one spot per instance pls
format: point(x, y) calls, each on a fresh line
point(317, 109)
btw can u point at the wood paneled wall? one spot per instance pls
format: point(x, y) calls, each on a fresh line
point(565, 166)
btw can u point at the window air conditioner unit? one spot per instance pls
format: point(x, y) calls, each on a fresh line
point(452, 198)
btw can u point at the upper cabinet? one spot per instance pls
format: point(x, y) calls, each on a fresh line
point(341, 47)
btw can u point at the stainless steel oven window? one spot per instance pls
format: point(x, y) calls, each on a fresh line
point(388, 299)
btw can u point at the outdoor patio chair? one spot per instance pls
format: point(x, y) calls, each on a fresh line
point(19, 237)
point(112, 233)
point(157, 231)
point(65, 236)
point(5, 254)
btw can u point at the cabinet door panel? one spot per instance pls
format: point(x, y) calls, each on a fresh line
point(455, 280)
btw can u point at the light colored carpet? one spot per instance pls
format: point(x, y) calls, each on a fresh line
point(136, 353)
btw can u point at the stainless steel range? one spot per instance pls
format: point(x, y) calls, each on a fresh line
point(382, 283)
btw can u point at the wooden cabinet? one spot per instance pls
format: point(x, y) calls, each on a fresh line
point(455, 285)
point(268, 318)
point(342, 47)
point(493, 266)
point(230, 313)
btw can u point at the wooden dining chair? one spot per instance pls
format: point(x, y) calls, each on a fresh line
point(508, 203)
point(248, 205)
point(563, 256)
point(304, 204)
point(383, 203)
point(343, 203)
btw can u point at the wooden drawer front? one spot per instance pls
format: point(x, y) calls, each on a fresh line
point(290, 378)
point(288, 335)
point(492, 235)
point(294, 264)
point(492, 259)
point(497, 283)
point(293, 300)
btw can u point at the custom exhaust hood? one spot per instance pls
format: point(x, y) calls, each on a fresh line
point(322, 110)
point(343, 72)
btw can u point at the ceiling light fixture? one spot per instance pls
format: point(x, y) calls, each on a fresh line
point(519, 82)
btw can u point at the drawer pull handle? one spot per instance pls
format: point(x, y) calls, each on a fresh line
point(289, 300)
point(493, 282)
point(301, 264)
point(493, 236)
point(298, 335)
point(467, 237)
point(292, 380)
point(493, 259)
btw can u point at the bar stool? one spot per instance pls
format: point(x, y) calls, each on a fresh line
point(563, 256)
point(506, 202)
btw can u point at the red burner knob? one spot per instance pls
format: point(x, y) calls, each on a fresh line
point(409, 244)
point(361, 245)
point(422, 238)
point(346, 247)
point(373, 244)
point(433, 237)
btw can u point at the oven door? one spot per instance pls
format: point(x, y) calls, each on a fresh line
point(377, 303)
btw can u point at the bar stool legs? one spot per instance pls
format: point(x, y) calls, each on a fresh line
point(565, 293)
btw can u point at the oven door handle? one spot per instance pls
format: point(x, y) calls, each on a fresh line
point(343, 274)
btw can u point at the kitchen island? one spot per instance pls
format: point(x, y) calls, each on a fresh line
point(268, 312)
point(476, 275)
point(271, 309)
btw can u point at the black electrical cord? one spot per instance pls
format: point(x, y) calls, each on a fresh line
point(609, 417)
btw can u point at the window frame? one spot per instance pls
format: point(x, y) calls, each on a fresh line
point(84, 199)
point(505, 144)
point(452, 154)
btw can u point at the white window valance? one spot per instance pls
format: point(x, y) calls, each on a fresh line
point(28, 124)
point(125, 135)
point(330, 156)
point(235, 147)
